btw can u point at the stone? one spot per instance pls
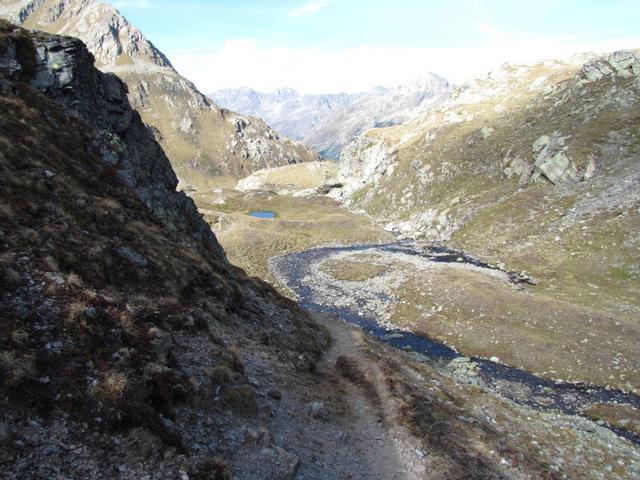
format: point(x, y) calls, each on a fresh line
point(589, 170)
point(282, 464)
point(275, 394)
point(253, 381)
point(557, 169)
point(595, 70)
point(133, 256)
point(622, 63)
point(518, 167)
point(552, 162)
point(6, 435)
point(540, 143)
point(318, 410)
point(189, 322)
point(169, 453)
point(486, 132)
point(460, 360)
point(625, 63)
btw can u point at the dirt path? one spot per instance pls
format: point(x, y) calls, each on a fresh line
point(390, 451)
point(343, 428)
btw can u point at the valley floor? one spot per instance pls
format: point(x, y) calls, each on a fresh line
point(476, 315)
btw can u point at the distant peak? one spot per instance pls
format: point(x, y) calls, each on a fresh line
point(112, 39)
point(286, 92)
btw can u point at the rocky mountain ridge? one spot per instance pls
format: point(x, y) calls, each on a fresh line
point(201, 139)
point(549, 150)
point(118, 308)
point(328, 122)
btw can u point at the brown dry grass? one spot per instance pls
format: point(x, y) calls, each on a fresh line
point(111, 388)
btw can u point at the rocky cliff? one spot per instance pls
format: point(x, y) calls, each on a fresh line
point(200, 139)
point(122, 325)
point(535, 165)
point(329, 122)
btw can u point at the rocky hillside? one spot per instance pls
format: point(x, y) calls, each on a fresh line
point(328, 122)
point(122, 325)
point(200, 139)
point(130, 348)
point(535, 166)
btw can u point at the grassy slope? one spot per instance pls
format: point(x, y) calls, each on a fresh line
point(301, 223)
point(585, 255)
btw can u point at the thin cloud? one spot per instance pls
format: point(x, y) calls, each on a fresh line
point(132, 3)
point(266, 67)
point(308, 9)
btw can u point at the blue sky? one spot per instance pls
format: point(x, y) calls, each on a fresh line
point(331, 45)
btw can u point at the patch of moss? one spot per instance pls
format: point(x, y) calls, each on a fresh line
point(352, 271)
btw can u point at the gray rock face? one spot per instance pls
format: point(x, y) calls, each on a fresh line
point(622, 63)
point(518, 167)
point(552, 161)
point(285, 109)
point(499, 126)
point(63, 69)
point(365, 161)
point(379, 108)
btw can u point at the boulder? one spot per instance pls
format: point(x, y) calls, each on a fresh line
point(282, 464)
point(622, 63)
point(552, 162)
point(6, 436)
point(625, 63)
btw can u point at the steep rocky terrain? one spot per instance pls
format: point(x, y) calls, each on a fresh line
point(119, 312)
point(536, 169)
point(130, 347)
point(550, 150)
point(200, 139)
point(328, 122)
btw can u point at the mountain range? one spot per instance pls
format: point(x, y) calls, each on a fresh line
point(327, 122)
point(201, 139)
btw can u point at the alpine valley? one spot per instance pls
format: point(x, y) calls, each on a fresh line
point(424, 281)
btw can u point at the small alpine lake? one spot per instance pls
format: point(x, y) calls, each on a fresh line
point(262, 214)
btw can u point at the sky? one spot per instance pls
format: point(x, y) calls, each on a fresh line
point(329, 46)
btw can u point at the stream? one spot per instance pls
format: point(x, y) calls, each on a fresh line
point(522, 387)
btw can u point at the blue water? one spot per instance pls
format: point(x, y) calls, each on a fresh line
point(262, 214)
point(545, 394)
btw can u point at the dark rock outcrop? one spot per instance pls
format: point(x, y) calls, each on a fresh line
point(63, 69)
point(199, 138)
point(117, 304)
